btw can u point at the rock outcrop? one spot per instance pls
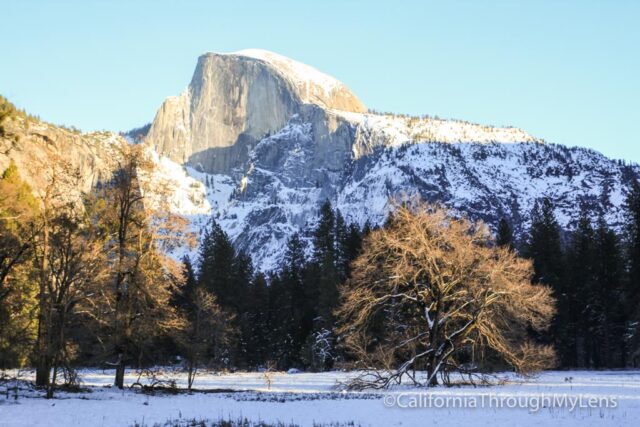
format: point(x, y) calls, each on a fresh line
point(287, 179)
point(273, 138)
point(260, 142)
point(46, 155)
point(235, 100)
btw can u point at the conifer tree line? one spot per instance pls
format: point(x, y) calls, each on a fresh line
point(91, 285)
point(288, 319)
point(283, 319)
point(594, 274)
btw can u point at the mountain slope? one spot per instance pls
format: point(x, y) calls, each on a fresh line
point(284, 184)
point(259, 142)
point(47, 155)
point(272, 139)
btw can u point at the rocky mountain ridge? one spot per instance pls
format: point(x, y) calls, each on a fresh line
point(46, 155)
point(259, 142)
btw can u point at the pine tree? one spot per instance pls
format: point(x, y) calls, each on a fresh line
point(7, 110)
point(348, 244)
point(217, 264)
point(323, 278)
point(242, 277)
point(504, 235)
point(257, 317)
point(632, 205)
point(324, 234)
point(283, 349)
point(294, 258)
point(544, 247)
point(366, 229)
point(228, 276)
point(609, 299)
point(340, 244)
point(325, 260)
point(577, 303)
point(300, 316)
point(632, 285)
point(183, 297)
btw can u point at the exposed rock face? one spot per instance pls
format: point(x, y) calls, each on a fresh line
point(286, 181)
point(309, 85)
point(260, 142)
point(272, 139)
point(235, 100)
point(43, 151)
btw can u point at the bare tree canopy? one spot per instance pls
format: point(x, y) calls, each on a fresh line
point(431, 292)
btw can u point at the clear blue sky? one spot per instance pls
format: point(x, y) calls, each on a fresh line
point(566, 71)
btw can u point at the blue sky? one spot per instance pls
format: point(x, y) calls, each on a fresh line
point(566, 71)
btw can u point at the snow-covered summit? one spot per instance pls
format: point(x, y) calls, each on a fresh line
point(389, 130)
point(312, 85)
point(298, 71)
point(271, 139)
point(288, 176)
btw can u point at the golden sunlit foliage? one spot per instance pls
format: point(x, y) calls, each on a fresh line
point(432, 292)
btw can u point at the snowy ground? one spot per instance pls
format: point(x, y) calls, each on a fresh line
point(605, 398)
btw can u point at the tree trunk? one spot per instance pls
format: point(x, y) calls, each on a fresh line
point(433, 378)
point(119, 380)
point(52, 383)
point(42, 372)
point(607, 358)
point(191, 375)
point(43, 362)
point(432, 361)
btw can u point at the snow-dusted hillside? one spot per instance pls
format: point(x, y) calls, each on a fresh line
point(281, 188)
point(488, 181)
point(264, 140)
point(259, 142)
point(389, 130)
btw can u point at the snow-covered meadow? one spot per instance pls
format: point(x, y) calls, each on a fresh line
point(573, 398)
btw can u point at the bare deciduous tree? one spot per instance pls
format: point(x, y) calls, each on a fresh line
point(433, 293)
point(58, 174)
point(76, 262)
point(134, 309)
point(207, 332)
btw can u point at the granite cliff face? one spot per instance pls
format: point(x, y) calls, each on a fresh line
point(45, 153)
point(235, 100)
point(284, 184)
point(259, 142)
point(267, 140)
